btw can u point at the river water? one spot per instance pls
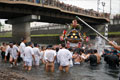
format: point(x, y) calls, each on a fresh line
point(77, 72)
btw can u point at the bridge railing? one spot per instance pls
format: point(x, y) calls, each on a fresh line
point(67, 7)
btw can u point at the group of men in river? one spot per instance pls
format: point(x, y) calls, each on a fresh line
point(62, 55)
point(31, 54)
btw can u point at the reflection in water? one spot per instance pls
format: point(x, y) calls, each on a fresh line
point(77, 72)
point(112, 72)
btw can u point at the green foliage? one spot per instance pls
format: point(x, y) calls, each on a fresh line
point(114, 33)
point(45, 35)
point(109, 33)
point(9, 34)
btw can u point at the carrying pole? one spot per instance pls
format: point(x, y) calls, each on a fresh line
point(93, 29)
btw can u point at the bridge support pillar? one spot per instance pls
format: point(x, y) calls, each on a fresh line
point(21, 30)
point(21, 27)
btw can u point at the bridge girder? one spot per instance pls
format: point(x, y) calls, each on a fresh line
point(50, 15)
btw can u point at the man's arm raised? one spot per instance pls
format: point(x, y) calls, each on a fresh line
point(115, 46)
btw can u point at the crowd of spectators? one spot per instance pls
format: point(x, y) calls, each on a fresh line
point(117, 16)
point(68, 7)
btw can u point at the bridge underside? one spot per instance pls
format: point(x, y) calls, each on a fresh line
point(12, 9)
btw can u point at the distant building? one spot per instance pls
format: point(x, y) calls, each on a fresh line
point(6, 27)
point(34, 24)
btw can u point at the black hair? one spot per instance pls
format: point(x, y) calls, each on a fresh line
point(70, 49)
point(29, 43)
point(63, 45)
point(49, 46)
point(95, 50)
point(14, 43)
point(57, 49)
point(82, 50)
point(35, 44)
point(115, 51)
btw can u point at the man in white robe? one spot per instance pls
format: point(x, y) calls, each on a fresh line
point(49, 57)
point(36, 54)
point(29, 56)
point(22, 48)
point(63, 58)
point(13, 50)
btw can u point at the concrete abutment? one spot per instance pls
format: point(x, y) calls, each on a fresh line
point(21, 30)
point(21, 27)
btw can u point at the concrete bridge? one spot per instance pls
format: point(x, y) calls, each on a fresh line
point(21, 12)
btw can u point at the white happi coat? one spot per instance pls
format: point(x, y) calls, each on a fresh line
point(64, 57)
point(49, 55)
point(22, 48)
point(36, 53)
point(28, 53)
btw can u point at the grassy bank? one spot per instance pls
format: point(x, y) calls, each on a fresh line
point(9, 34)
point(109, 33)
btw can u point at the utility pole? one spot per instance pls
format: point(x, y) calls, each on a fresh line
point(106, 33)
point(98, 4)
point(103, 4)
point(110, 6)
point(106, 30)
point(119, 6)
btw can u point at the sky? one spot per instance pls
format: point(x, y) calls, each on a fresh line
point(92, 4)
